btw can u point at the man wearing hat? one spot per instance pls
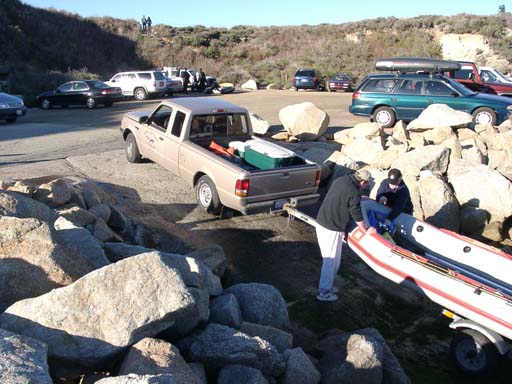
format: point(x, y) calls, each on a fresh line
point(394, 193)
point(340, 207)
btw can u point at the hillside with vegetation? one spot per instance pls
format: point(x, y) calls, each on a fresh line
point(46, 46)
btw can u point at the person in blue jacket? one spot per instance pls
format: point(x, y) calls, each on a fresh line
point(394, 193)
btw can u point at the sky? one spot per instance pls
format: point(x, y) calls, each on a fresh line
point(228, 13)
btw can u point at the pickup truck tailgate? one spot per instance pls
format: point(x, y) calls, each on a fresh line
point(283, 182)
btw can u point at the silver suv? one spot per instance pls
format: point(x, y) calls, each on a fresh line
point(139, 84)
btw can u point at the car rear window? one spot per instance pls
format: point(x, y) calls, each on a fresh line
point(380, 85)
point(145, 76)
point(100, 84)
point(305, 73)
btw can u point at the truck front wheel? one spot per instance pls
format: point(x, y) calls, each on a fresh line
point(207, 196)
point(132, 150)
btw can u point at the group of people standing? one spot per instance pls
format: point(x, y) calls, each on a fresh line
point(198, 82)
point(146, 23)
point(341, 209)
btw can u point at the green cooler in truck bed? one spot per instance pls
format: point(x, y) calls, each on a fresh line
point(265, 155)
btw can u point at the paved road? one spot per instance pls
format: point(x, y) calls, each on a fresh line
point(60, 133)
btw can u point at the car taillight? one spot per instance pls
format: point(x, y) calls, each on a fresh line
point(154, 84)
point(356, 95)
point(315, 79)
point(242, 188)
point(317, 178)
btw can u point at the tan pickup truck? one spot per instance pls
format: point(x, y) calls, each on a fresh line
point(209, 143)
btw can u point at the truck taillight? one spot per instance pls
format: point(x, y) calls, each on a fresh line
point(317, 179)
point(242, 188)
point(356, 95)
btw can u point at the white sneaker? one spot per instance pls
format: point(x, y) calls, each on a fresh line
point(329, 296)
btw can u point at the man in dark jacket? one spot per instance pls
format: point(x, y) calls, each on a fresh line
point(185, 76)
point(341, 206)
point(394, 193)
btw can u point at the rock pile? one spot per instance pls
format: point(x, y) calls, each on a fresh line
point(84, 292)
point(459, 175)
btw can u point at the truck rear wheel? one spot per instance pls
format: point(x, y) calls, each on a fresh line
point(207, 196)
point(473, 353)
point(132, 150)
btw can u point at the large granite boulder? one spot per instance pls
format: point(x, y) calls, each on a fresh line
point(440, 115)
point(80, 241)
point(157, 357)
point(55, 193)
point(16, 205)
point(259, 125)
point(22, 360)
point(438, 202)
point(434, 158)
point(299, 368)
point(225, 310)
point(34, 260)
point(133, 378)
point(261, 304)
point(481, 187)
point(361, 362)
point(92, 321)
point(237, 374)
point(218, 346)
point(305, 121)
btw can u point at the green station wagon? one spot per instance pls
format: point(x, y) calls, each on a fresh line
point(386, 98)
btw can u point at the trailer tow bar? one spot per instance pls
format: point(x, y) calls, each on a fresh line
point(294, 212)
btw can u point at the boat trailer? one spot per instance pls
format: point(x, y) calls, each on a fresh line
point(475, 349)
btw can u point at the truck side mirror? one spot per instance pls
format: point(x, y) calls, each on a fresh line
point(143, 120)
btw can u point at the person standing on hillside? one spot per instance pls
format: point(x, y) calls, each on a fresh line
point(340, 207)
point(148, 23)
point(143, 23)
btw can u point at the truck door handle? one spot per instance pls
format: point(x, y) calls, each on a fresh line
point(160, 138)
point(393, 99)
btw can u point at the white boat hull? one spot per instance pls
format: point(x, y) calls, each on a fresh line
point(452, 287)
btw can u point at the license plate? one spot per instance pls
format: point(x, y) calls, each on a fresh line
point(18, 112)
point(303, 80)
point(279, 204)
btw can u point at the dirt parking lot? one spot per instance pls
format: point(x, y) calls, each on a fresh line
point(260, 248)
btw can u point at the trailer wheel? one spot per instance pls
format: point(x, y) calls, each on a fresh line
point(473, 353)
point(207, 196)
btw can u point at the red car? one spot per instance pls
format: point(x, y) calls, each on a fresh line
point(340, 82)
